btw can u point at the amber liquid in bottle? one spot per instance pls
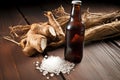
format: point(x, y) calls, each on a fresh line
point(74, 37)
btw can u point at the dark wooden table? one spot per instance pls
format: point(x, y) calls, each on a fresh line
point(101, 60)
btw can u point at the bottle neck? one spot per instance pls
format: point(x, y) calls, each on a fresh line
point(76, 13)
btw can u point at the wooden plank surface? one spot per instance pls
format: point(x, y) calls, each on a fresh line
point(33, 14)
point(14, 65)
point(94, 65)
point(117, 42)
point(101, 60)
point(7, 62)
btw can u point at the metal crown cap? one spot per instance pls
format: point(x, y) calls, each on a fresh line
point(76, 2)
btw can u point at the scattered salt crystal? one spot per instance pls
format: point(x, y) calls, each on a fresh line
point(37, 62)
point(48, 77)
point(45, 73)
point(46, 56)
point(40, 70)
point(54, 65)
point(37, 67)
point(51, 74)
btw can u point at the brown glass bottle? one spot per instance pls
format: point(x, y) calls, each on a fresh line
point(74, 37)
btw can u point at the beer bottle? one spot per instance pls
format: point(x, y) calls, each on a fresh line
point(74, 36)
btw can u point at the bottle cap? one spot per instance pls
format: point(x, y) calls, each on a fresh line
point(76, 2)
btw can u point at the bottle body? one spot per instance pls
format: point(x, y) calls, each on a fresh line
point(74, 37)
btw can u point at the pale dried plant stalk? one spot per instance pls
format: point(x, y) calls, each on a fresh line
point(38, 36)
point(12, 40)
point(94, 19)
point(59, 12)
point(103, 31)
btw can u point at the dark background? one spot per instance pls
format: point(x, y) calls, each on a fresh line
point(9, 3)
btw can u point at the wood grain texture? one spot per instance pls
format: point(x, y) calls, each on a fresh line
point(33, 14)
point(14, 65)
point(117, 43)
point(7, 62)
point(101, 60)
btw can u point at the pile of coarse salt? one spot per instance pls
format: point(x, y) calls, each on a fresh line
point(53, 65)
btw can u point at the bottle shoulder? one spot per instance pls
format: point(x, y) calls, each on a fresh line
point(75, 24)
